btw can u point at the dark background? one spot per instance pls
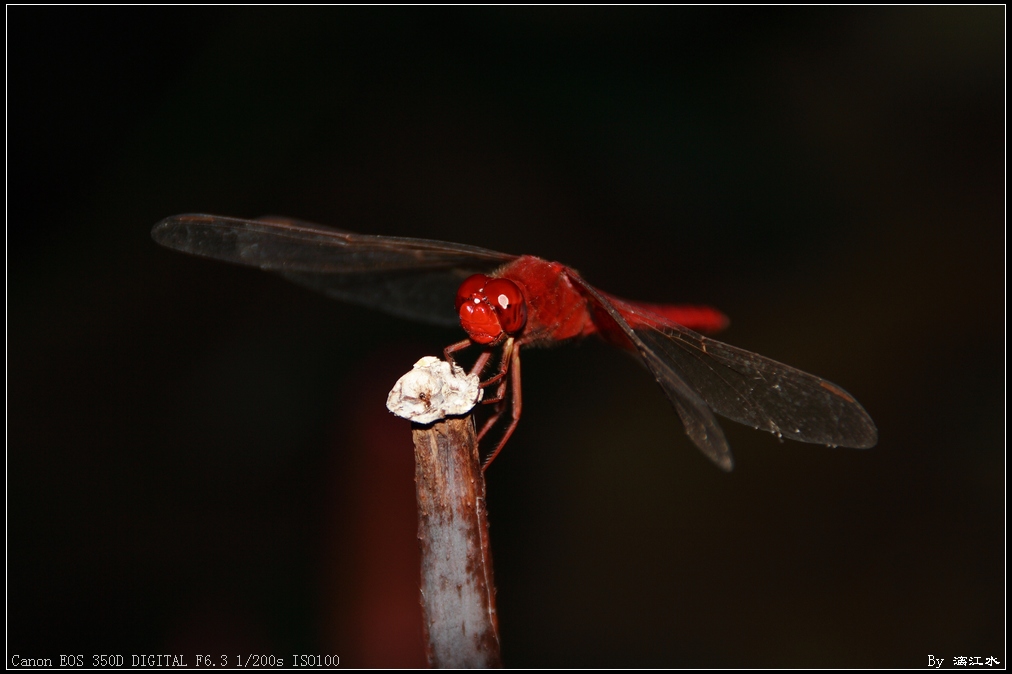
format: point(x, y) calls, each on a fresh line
point(198, 455)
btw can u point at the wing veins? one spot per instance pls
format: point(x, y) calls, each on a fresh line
point(700, 424)
point(808, 408)
point(410, 278)
point(695, 351)
point(279, 244)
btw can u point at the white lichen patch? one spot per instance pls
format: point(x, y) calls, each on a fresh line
point(433, 390)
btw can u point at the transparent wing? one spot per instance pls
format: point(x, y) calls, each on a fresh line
point(412, 278)
point(740, 385)
point(762, 393)
point(700, 424)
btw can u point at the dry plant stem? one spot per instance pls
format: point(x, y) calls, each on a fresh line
point(458, 595)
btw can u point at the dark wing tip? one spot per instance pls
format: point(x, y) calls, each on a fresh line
point(162, 231)
point(710, 441)
point(866, 437)
point(175, 231)
point(857, 430)
point(725, 462)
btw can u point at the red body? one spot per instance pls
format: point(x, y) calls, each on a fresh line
point(557, 311)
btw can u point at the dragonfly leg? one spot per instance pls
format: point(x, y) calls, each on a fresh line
point(500, 376)
point(500, 395)
point(454, 348)
point(479, 365)
point(491, 421)
point(515, 408)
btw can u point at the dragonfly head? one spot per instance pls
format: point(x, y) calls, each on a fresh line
point(490, 308)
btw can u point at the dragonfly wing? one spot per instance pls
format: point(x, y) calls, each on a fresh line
point(700, 424)
point(424, 296)
point(757, 391)
point(412, 278)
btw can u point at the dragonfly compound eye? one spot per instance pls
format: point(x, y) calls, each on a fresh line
point(471, 286)
point(509, 304)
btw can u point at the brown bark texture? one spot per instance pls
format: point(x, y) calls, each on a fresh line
point(458, 594)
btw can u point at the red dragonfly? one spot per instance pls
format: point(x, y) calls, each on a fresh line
point(505, 302)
